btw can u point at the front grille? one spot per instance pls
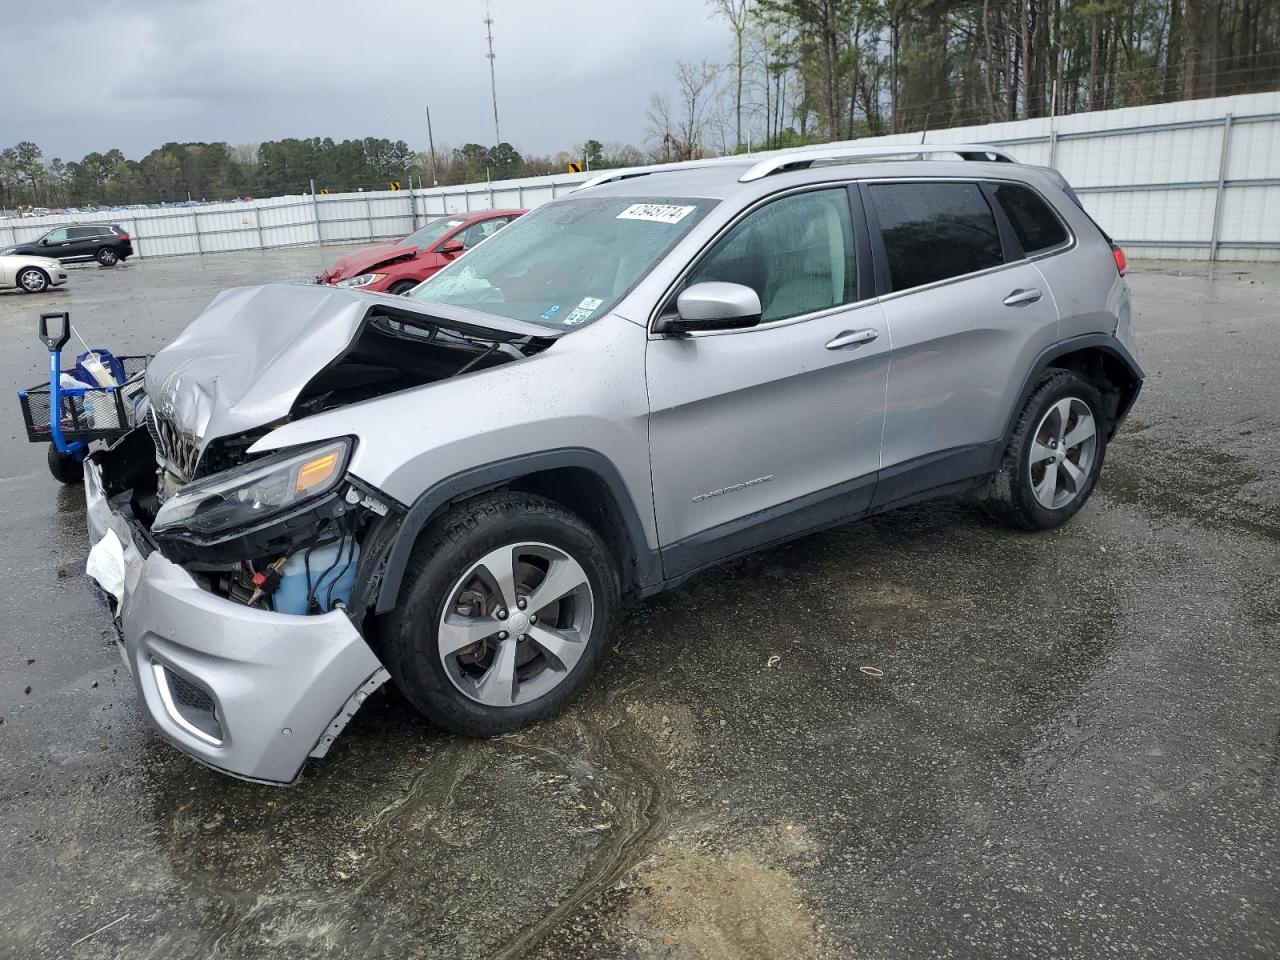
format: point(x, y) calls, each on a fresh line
point(178, 451)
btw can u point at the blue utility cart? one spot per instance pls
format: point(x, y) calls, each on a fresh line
point(96, 400)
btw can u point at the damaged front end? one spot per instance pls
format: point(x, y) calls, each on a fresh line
point(246, 576)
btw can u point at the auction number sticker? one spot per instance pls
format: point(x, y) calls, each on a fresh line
point(656, 212)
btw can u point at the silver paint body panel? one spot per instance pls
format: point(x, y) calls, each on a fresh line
point(705, 431)
point(279, 681)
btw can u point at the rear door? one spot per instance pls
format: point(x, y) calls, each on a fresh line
point(83, 242)
point(765, 432)
point(968, 313)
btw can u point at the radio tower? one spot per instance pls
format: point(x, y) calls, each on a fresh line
point(493, 83)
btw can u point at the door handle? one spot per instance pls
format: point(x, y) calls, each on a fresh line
point(852, 338)
point(1020, 296)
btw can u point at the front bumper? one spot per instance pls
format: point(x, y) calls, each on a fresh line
point(248, 692)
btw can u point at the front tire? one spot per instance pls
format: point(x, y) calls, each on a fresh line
point(507, 608)
point(106, 256)
point(1054, 456)
point(65, 467)
point(401, 287)
point(33, 280)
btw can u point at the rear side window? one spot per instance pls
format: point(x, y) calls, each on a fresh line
point(83, 233)
point(796, 253)
point(935, 231)
point(1037, 226)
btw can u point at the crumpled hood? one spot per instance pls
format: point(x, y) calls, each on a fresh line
point(365, 259)
point(241, 363)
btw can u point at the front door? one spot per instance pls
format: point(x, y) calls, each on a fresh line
point(763, 433)
point(55, 244)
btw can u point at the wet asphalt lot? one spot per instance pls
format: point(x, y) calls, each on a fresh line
point(1074, 750)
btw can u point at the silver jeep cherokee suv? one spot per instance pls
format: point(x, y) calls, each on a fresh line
point(671, 367)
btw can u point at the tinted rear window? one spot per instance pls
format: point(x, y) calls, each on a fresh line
point(1037, 226)
point(935, 231)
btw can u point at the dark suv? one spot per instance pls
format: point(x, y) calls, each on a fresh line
point(105, 242)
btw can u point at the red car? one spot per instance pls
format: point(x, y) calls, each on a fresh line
point(400, 266)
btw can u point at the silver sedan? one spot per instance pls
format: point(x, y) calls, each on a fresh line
point(31, 274)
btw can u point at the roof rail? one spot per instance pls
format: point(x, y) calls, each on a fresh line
point(626, 173)
point(799, 159)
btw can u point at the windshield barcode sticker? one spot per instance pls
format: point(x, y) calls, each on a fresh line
point(656, 212)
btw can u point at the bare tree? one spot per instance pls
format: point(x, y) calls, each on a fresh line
point(622, 155)
point(738, 13)
point(659, 130)
point(695, 86)
point(677, 131)
point(245, 154)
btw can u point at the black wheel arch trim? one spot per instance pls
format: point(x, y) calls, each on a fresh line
point(645, 569)
point(1106, 343)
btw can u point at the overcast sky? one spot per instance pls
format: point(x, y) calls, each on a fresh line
point(87, 75)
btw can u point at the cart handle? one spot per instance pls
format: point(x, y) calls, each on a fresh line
point(55, 343)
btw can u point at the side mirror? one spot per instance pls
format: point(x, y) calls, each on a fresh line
point(452, 248)
point(713, 306)
point(44, 241)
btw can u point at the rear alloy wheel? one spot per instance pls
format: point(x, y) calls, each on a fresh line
point(1054, 456)
point(33, 280)
point(506, 610)
point(106, 256)
point(401, 287)
point(1062, 452)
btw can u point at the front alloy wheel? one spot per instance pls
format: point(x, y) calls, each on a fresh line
point(33, 280)
point(516, 624)
point(506, 609)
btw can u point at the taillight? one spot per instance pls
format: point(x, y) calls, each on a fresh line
point(1122, 262)
point(124, 237)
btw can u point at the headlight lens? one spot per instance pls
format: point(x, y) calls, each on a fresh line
point(361, 281)
point(6, 251)
point(245, 495)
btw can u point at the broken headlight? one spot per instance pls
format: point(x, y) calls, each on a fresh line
point(247, 494)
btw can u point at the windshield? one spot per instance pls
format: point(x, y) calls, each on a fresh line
point(433, 231)
point(566, 263)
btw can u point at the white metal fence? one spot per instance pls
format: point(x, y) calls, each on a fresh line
point(1195, 179)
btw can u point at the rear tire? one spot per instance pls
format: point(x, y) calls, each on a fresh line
point(32, 280)
point(401, 287)
point(1054, 456)
point(106, 256)
point(65, 467)
point(457, 645)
